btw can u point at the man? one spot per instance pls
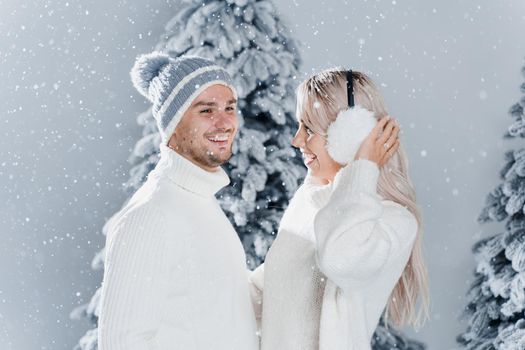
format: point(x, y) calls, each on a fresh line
point(175, 270)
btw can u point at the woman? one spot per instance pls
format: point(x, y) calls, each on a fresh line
point(349, 243)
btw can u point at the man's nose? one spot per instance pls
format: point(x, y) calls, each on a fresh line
point(224, 120)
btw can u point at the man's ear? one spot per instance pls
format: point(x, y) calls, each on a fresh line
point(172, 140)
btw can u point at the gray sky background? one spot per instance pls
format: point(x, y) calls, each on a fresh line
point(448, 70)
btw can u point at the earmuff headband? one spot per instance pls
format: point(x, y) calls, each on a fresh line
point(350, 88)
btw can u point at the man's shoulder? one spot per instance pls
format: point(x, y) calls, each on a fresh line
point(147, 222)
point(161, 201)
point(158, 193)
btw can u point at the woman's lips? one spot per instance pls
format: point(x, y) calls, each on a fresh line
point(308, 158)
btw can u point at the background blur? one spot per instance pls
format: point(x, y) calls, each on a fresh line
point(448, 70)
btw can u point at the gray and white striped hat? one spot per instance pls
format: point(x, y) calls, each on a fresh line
point(172, 84)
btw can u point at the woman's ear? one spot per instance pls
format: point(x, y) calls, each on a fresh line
point(347, 132)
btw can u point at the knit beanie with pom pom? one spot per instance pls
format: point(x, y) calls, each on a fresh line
point(172, 84)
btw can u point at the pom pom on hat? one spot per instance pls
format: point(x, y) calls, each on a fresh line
point(147, 67)
point(348, 131)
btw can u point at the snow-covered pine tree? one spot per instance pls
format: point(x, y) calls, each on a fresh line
point(389, 338)
point(250, 41)
point(496, 298)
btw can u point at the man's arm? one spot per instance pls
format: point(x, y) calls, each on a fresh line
point(134, 285)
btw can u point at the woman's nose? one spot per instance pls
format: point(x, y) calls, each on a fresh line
point(298, 140)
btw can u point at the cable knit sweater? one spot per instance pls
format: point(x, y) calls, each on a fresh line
point(175, 269)
point(339, 252)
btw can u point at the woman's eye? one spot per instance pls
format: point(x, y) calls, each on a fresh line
point(308, 131)
point(206, 110)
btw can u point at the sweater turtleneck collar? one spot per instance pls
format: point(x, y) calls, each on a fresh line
point(318, 193)
point(188, 175)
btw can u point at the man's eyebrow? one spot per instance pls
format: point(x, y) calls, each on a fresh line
point(211, 103)
point(205, 103)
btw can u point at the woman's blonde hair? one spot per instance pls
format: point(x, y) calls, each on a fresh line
point(319, 99)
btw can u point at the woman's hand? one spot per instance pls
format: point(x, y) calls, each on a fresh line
point(381, 143)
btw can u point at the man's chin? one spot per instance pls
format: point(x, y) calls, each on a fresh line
point(221, 157)
point(216, 157)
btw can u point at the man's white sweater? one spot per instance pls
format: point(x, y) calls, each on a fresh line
point(175, 269)
point(339, 252)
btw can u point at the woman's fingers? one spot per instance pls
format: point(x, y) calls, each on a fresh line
point(390, 127)
point(390, 152)
point(392, 138)
point(379, 127)
point(382, 142)
point(388, 142)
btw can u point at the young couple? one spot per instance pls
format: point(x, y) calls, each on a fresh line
point(348, 246)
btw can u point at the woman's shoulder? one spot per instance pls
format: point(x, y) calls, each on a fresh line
point(398, 215)
point(395, 206)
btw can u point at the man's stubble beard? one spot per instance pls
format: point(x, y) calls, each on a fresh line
point(206, 158)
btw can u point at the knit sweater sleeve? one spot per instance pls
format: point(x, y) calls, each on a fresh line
point(134, 283)
point(356, 237)
point(256, 284)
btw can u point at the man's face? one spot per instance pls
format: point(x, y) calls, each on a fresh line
point(205, 132)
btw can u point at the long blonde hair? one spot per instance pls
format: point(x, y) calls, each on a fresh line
point(319, 99)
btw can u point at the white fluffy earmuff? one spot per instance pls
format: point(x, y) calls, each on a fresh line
point(348, 131)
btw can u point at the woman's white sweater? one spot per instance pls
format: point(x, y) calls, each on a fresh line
point(339, 252)
point(175, 269)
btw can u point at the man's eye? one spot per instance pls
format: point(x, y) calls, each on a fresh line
point(208, 110)
point(230, 108)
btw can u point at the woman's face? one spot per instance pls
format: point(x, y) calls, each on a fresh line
point(315, 156)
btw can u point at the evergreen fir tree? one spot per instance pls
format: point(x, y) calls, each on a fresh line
point(250, 41)
point(496, 298)
point(389, 338)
